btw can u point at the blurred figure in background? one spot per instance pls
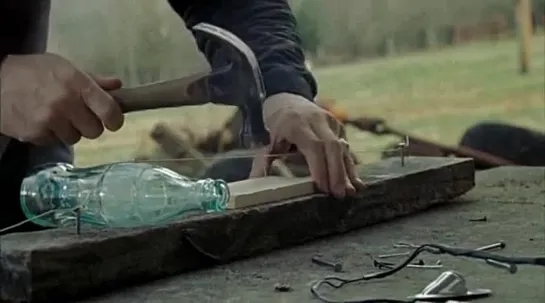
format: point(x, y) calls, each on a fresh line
point(521, 146)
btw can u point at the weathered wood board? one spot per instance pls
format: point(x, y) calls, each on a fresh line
point(258, 191)
point(59, 265)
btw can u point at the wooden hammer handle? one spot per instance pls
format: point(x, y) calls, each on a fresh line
point(190, 90)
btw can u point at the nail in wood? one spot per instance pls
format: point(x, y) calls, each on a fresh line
point(78, 221)
point(402, 147)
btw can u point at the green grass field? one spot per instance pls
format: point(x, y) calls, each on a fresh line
point(432, 94)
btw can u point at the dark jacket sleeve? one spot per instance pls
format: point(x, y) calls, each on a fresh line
point(268, 27)
point(23, 26)
point(24, 30)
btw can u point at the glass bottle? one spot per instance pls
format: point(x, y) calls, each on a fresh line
point(117, 195)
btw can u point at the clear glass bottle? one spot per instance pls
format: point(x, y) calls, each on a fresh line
point(117, 195)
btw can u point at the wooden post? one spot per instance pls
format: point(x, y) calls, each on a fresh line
point(524, 33)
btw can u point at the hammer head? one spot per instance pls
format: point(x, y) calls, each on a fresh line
point(235, 78)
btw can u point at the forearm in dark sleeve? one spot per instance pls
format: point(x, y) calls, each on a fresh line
point(268, 27)
point(24, 26)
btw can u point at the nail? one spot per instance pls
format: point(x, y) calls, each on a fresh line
point(482, 219)
point(402, 147)
point(498, 245)
point(425, 266)
point(511, 268)
point(381, 265)
point(417, 264)
point(405, 245)
point(337, 266)
point(386, 256)
point(78, 221)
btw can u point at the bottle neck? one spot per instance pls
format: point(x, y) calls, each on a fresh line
point(214, 192)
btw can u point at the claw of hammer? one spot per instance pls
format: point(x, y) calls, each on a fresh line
point(238, 82)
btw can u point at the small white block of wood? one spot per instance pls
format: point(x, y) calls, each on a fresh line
point(269, 189)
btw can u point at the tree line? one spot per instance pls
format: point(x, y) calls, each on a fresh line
point(147, 41)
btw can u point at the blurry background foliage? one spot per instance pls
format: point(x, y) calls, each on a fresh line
point(146, 41)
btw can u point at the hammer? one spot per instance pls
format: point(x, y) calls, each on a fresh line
point(238, 83)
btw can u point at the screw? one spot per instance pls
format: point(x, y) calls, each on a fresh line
point(511, 268)
point(337, 266)
point(498, 245)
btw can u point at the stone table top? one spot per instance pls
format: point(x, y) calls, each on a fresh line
point(511, 198)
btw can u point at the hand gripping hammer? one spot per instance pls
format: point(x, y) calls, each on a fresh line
point(244, 87)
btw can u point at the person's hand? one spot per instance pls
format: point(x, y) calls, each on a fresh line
point(296, 122)
point(44, 99)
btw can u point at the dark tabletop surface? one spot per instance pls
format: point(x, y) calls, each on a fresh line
point(512, 199)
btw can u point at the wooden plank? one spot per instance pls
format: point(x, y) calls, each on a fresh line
point(258, 191)
point(59, 265)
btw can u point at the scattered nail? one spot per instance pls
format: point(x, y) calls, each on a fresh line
point(337, 266)
point(405, 245)
point(282, 287)
point(386, 256)
point(497, 245)
point(417, 264)
point(482, 219)
point(382, 265)
point(425, 266)
point(511, 268)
